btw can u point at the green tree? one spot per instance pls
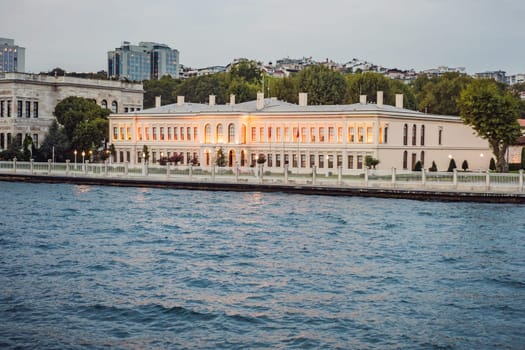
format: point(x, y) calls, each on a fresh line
point(433, 168)
point(417, 166)
point(221, 158)
point(27, 148)
point(371, 162)
point(323, 85)
point(199, 89)
point(439, 95)
point(247, 71)
point(72, 111)
point(165, 87)
point(145, 153)
point(57, 139)
point(493, 114)
point(464, 165)
point(242, 90)
point(285, 89)
point(492, 164)
point(368, 84)
point(90, 134)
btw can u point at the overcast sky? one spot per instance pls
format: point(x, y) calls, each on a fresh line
point(75, 35)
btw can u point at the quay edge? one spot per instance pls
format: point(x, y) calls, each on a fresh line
point(423, 195)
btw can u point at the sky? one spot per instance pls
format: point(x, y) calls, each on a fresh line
point(75, 35)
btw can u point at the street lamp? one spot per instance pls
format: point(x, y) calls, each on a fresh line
point(480, 161)
point(75, 153)
point(144, 157)
point(83, 157)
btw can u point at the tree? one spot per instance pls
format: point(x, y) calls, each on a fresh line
point(145, 153)
point(77, 112)
point(242, 90)
point(433, 168)
point(27, 148)
point(451, 165)
point(492, 164)
point(221, 158)
point(464, 165)
point(57, 139)
point(417, 166)
point(323, 85)
point(199, 89)
point(493, 114)
point(371, 162)
point(164, 87)
point(285, 89)
point(247, 71)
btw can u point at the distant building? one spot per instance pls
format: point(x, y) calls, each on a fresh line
point(516, 79)
point(27, 102)
point(145, 61)
point(497, 75)
point(12, 57)
point(439, 71)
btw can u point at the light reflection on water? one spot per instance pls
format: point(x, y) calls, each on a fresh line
point(147, 268)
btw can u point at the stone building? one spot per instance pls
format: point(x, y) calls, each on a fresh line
point(27, 101)
point(300, 136)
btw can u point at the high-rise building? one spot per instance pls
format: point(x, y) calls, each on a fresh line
point(147, 60)
point(12, 57)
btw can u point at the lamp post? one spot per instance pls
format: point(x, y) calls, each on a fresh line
point(75, 153)
point(480, 162)
point(90, 156)
point(83, 157)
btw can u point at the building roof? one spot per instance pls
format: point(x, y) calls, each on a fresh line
point(274, 106)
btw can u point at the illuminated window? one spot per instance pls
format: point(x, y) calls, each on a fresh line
point(303, 134)
point(312, 134)
point(270, 134)
point(182, 133)
point(295, 134)
point(360, 135)
point(207, 133)
point(339, 135)
point(128, 134)
point(195, 134)
point(115, 133)
point(231, 133)
point(188, 133)
point(321, 134)
point(161, 133)
point(286, 134)
point(219, 134)
point(331, 134)
point(278, 135)
point(261, 134)
point(254, 134)
point(175, 133)
point(139, 132)
point(169, 134)
point(369, 137)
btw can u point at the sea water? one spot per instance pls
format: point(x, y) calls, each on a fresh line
point(138, 268)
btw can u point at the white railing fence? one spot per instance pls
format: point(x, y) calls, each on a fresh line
point(453, 181)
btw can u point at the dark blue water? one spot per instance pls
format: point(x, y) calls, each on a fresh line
point(133, 268)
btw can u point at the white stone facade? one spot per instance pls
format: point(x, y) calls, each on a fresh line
point(301, 136)
point(27, 101)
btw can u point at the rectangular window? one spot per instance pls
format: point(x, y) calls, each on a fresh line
point(350, 162)
point(278, 160)
point(269, 134)
point(28, 109)
point(321, 134)
point(146, 133)
point(286, 134)
point(294, 160)
point(261, 134)
point(115, 133)
point(369, 137)
point(360, 135)
point(188, 133)
point(154, 130)
point(359, 162)
point(380, 134)
point(162, 133)
point(181, 133)
point(139, 132)
point(312, 160)
point(121, 134)
point(286, 159)
point(269, 160)
point(195, 133)
point(295, 134)
point(35, 109)
point(303, 134)
point(339, 135)
point(331, 134)
point(312, 134)
point(19, 109)
point(254, 134)
point(1, 108)
point(440, 136)
point(278, 134)
point(339, 160)
point(9, 108)
point(128, 133)
point(169, 133)
point(175, 133)
point(321, 161)
point(303, 160)
point(351, 135)
point(386, 134)
point(330, 161)
point(35, 140)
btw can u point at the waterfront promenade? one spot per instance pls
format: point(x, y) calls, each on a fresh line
point(423, 185)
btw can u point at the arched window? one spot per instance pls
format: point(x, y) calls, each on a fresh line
point(414, 132)
point(405, 134)
point(104, 104)
point(207, 133)
point(422, 136)
point(114, 107)
point(207, 157)
point(405, 159)
point(422, 159)
point(231, 133)
point(243, 158)
point(231, 158)
point(218, 135)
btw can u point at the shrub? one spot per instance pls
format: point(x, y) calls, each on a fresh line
point(451, 165)
point(417, 167)
point(464, 166)
point(492, 165)
point(433, 168)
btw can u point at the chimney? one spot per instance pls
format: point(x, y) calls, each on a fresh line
point(180, 100)
point(232, 99)
point(399, 100)
point(212, 100)
point(362, 99)
point(380, 98)
point(260, 101)
point(157, 101)
point(303, 99)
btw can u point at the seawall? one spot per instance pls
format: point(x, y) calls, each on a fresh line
point(426, 195)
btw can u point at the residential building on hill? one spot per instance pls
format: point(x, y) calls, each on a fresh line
point(145, 61)
point(12, 57)
point(296, 136)
point(27, 102)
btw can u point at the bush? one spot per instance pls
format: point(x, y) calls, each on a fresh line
point(417, 167)
point(464, 166)
point(451, 165)
point(492, 165)
point(433, 168)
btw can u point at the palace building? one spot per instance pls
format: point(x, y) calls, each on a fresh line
point(299, 137)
